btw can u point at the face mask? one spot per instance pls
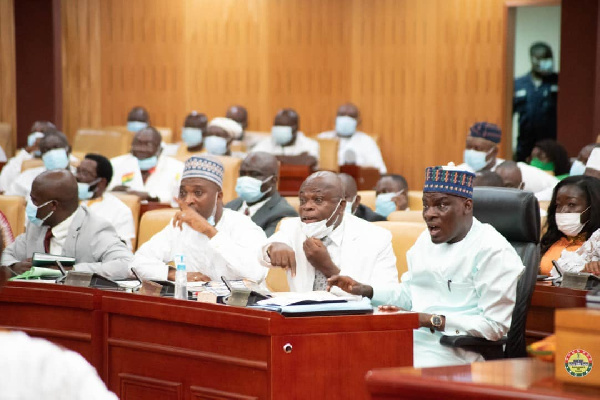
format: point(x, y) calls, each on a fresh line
point(546, 65)
point(191, 136)
point(476, 159)
point(384, 205)
point(84, 189)
point(578, 168)
point(349, 204)
point(33, 137)
point(211, 219)
point(148, 163)
point(216, 145)
point(570, 223)
point(248, 188)
point(55, 159)
point(281, 134)
point(320, 229)
point(136, 126)
point(31, 211)
point(345, 126)
point(544, 166)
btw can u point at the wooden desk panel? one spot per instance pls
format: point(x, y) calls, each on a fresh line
point(546, 299)
point(503, 379)
point(147, 347)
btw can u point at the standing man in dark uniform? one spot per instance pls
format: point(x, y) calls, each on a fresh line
point(535, 101)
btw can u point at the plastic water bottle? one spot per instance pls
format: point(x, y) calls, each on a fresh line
point(180, 278)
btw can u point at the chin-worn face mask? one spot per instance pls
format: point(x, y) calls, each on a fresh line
point(570, 223)
point(320, 229)
point(31, 212)
point(282, 134)
point(476, 159)
point(136, 126)
point(191, 136)
point(345, 125)
point(578, 168)
point(55, 159)
point(211, 219)
point(216, 145)
point(147, 164)
point(544, 166)
point(248, 188)
point(349, 204)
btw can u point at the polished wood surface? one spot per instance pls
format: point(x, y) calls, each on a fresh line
point(311, 55)
point(8, 65)
point(503, 379)
point(545, 300)
point(148, 347)
point(291, 178)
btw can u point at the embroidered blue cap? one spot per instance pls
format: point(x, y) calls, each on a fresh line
point(486, 130)
point(205, 167)
point(449, 180)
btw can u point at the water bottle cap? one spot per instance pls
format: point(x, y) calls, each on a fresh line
point(180, 267)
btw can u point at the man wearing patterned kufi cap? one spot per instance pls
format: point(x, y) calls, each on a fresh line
point(481, 154)
point(462, 274)
point(214, 241)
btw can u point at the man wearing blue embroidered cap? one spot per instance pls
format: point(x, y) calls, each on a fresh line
point(462, 274)
point(287, 143)
point(215, 241)
point(257, 191)
point(56, 152)
point(356, 147)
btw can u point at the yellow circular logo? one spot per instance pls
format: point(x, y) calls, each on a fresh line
point(578, 363)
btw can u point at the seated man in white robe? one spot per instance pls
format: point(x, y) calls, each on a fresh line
point(58, 225)
point(287, 143)
point(480, 154)
point(146, 172)
point(56, 154)
point(93, 174)
point(462, 274)
point(12, 169)
point(356, 147)
point(214, 241)
point(325, 241)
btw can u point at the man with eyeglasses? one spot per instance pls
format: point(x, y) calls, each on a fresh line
point(145, 172)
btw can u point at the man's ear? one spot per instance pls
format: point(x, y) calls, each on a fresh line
point(220, 195)
point(468, 206)
point(102, 185)
point(358, 198)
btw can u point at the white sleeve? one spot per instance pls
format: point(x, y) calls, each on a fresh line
point(375, 157)
point(574, 261)
point(283, 235)
point(12, 169)
point(150, 259)
point(124, 225)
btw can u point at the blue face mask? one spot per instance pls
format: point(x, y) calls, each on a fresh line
point(136, 126)
point(282, 134)
point(31, 211)
point(33, 137)
point(84, 189)
point(349, 204)
point(248, 188)
point(148, 163)
point(345, 126)
point(384, 205)
point(476, 159)
point(546, 65)
point(216, 145)
point(55, 159)
point(191, 136)
point(578, 168)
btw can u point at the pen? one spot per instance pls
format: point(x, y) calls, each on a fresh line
point(449, 282)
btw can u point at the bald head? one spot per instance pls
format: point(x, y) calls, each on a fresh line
point(349, 185)
point(139, 114)
point(58, 188)
point(511, 175)
point(324, 180)
point(487, 178)
point(322, 198)
point(239, 114)
point(195, 120)
point(348, 110)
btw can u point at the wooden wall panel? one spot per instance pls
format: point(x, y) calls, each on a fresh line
point(8, 89)
point(420, 70)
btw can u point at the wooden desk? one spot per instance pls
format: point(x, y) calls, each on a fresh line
point(547, 298)
point(291, 178)
point(504, 379)
point(366, 178)
point(147, 347)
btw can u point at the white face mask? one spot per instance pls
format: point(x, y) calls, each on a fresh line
point(349, 205)
point(570, 223)
point(578, 168)
point(320, 229)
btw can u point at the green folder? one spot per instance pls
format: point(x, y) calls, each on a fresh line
point(39, 273)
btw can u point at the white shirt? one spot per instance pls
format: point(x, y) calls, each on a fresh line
point(574, 261)
point(230, 253)
point(32, 368)
point(112, 209)
point(12, 169)
point(21, 186)
point(362, 250)
point(301, 145)
point(253, 208)
point(360, 149)
point(162, 183)
point(472, 282)
point(59, 235)
point(535, 180)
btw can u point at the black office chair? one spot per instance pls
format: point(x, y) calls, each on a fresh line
point(516, 215)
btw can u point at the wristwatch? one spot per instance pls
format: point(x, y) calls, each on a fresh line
point(436, 322)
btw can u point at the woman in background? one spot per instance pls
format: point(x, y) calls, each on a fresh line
point(549, 155)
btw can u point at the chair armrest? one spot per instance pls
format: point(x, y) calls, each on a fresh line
point(489, 349)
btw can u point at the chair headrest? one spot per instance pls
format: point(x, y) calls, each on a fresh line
point(514, 213)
